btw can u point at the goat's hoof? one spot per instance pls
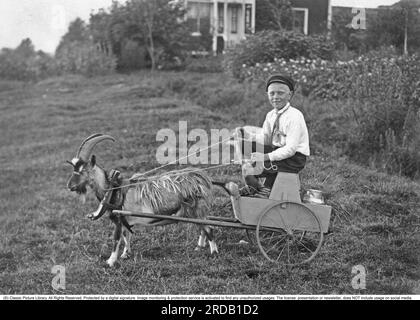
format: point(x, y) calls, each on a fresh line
point(110, 263)
point(198, 248)
point(213, 248)
point(125, 256)
point(91, 217)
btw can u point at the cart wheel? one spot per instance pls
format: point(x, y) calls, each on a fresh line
point(289, 233)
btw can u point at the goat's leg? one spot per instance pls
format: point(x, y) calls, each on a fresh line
point(127, 248)
point(210, 236)
point(201, 240)
point(116, 243)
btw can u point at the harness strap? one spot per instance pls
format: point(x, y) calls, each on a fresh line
point(125, 224)
point(115, 179)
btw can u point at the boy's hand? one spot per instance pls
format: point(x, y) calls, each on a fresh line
point(258, 157)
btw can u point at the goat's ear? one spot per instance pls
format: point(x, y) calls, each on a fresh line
point(93, 160)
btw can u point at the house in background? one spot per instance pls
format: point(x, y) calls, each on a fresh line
point(311, 16)
point(229, 21)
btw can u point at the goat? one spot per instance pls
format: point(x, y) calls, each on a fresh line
point(183, 194)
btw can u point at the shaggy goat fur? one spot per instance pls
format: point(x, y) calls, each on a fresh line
point(183, 188)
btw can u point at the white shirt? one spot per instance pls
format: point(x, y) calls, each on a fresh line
point(292, 134)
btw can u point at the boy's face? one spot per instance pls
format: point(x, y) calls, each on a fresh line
point(279, 95)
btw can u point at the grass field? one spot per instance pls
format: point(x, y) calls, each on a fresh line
point(43, 224)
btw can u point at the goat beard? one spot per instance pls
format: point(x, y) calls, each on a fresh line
point(82, 195)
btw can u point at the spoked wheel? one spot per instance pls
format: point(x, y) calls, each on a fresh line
point(289, 233)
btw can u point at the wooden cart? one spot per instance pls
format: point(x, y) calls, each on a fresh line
point(287, 230)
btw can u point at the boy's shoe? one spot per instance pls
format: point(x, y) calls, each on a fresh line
point(247, 191)
point(263, 193)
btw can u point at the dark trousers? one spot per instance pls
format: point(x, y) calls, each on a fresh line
point(293, 164)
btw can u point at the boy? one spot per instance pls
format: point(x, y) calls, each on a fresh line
point(285, 136)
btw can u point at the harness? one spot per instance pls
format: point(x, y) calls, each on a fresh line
point(115, 180)
point(272, 165)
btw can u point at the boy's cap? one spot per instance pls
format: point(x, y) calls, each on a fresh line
point(281, 79)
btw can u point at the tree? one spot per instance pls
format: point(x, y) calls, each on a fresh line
point(156, 25)
point(77, 33)
point(273, 15)
point(99, 26)
point(77, 53)
point(392, 24)
point(159, 24)
point(25, 50)
point(341, 31)
point(25, 63)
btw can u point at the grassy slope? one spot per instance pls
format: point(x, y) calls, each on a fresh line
point(42, 224)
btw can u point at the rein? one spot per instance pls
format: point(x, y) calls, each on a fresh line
point(174, 174)
point(135, 182)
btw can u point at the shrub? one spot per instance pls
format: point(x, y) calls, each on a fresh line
point(14, 66)
point(387, 115)
point(266, 46)
point(86, 59)
point(336, 80)
point(133, 56)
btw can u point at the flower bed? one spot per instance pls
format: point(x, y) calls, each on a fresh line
point(338, 80)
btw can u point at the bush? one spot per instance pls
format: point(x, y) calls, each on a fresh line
point(266, 46)
point(339, 80)
point(386, 108)
point(133, 57)
point(14, 66)
point(86, 59)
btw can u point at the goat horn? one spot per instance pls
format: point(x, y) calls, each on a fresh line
point(86, 140)
point(87, 146)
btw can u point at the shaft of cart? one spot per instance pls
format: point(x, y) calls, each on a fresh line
point(212, 221)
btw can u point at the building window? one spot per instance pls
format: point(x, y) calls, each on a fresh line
point(248, 18)
point(220, 18)
point(197, 13)
point(300, 20)
point(234, 28)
